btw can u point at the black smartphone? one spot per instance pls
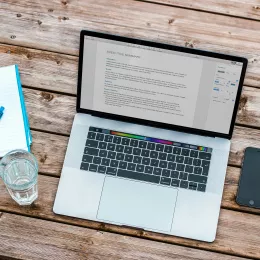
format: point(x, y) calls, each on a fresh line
point(249, 184)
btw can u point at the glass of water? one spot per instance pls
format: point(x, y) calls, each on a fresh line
point(19, 171)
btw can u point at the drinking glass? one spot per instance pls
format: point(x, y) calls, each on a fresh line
point(19, 171)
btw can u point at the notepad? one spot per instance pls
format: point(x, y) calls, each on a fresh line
point(14, 125)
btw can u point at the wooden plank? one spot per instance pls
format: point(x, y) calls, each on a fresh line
point(238, 233)
point(50, 149)
point(42, 69)
point(246, 9)
point(54, 26)
point(47, 240)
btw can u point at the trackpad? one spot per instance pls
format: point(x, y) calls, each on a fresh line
point(138, 204)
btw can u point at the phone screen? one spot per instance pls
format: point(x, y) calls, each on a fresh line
point(249, 184)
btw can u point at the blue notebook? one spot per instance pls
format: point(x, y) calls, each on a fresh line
point(14, 125)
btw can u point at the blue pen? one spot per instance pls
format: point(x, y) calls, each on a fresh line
point(1, 111)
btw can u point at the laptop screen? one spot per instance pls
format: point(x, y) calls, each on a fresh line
point(159, 85)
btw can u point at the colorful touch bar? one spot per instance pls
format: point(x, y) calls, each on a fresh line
point(150, 139)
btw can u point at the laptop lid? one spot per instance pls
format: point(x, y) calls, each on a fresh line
point(158, 84)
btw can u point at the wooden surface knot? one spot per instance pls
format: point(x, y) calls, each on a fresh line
point(170, 21)
point(63, 18)
point(47, 96)
point(189, 44)
point(39, 22)
point(242, 103)
point(12, 36)
point(256, 7)
point(64, 2)
point(19, 15)
point(43, 158)
point(50, 10)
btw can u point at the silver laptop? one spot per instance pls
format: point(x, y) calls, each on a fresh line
point(150, 142)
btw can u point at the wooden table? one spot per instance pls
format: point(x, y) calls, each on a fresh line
point(42, 37)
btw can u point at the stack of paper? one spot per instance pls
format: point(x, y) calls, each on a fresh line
point(14, 125)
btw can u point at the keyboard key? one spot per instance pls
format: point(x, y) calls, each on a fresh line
point(145, 153)
point(131, 166)
point(196, 162)
point(142, 144)
point(137, 151)
point(101, 169)
point(166, 173)
point(205, 156)
point(102, 145)
point(134, 142)
point(91, 135)
point(180, 167)
point(128, 150)
point(168, 149)
point(114, 163)
point(120, 156)
point(117, 140)
point(183, 176)
point(125, 141)
point(122, 165)
point(100, 137)
point(105, 162)
point(162, 156)
point(111, 147)
point(192, 186)
point(154, 154)
point(128, 158)
point(176, 150)
point(197, 170)
point(148, 169)
point(92, 143)
point(111, 155)
point(154, 162)
point(171, 166)
point(146, 161)
point(189, 169)
point(163, 164)
point(93, 167)
point(188, 160)
point(171, 158)
point(150, 146)
point(93, 129)
point(138, 176)
point(84, 166)
point(137, 159)
point(87, 158)
point(91, 151)
point(179, 159)
point(111, 171)
point(201, 187)
point(120, 148)
point(157, 171)
point(175, 183)
point(97, 160)
point(205, 163)
point(108, 138)
point(197, 178)
point(205, 171)
point(184, 184)
point(139, 168)
point(185, 152)
point(159, 147)
point(165, 181)
point(194, 153)
point(175, 174)
point(104, 131)
point(102, 153)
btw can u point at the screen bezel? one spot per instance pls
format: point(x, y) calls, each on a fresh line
point(167, 47)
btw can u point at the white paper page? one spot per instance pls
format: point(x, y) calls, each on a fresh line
point(12, 133)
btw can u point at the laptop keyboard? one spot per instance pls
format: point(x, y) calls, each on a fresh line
point(146, 159)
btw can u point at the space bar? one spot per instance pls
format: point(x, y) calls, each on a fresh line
point(138, 176)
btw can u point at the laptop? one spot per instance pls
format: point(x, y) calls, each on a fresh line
point(150, 142)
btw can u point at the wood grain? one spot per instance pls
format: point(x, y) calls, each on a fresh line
point(231, 235)
point(246, 9)
point(53, 26)
point(49, 240)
